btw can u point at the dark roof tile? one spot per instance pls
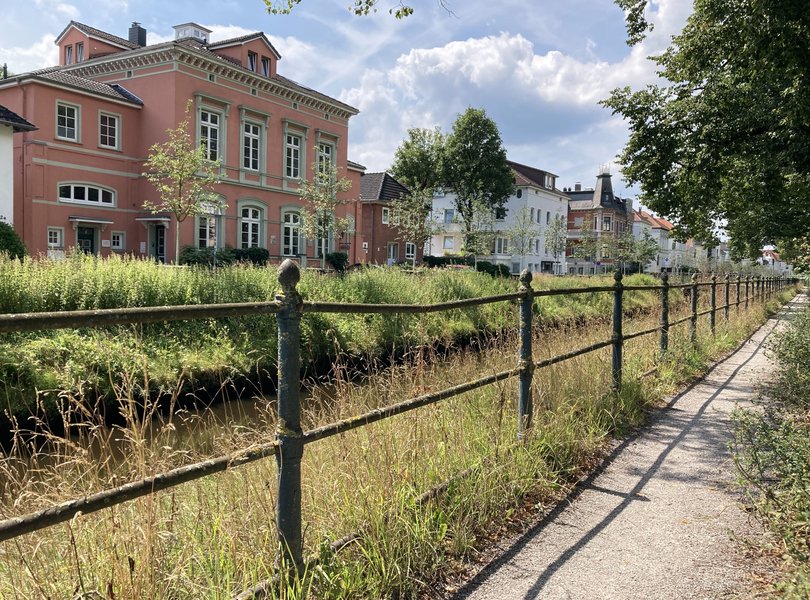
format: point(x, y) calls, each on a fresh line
point(8, 117)
point(380, 187)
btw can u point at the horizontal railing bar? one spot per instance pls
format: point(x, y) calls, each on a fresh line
point(342, 307)
point(379, 414)
point(681, 320)
point(636, 334)
point(124, 316)
point(562, 291)
point(574, 353)
point(641, 288)
point(65, 511)
point(704, 312)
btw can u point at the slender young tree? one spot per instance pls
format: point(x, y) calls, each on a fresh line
point(183, 177)
point(321, 196)
point(523, 231)
point(556, 238)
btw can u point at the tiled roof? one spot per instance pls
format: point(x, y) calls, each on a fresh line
point(115, 91)
point(92, 31)
point(244, 38)
point(353, 165)
point(526, 175)
point(8, 117)
point(380, 187)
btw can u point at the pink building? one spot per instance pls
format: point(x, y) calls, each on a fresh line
point(78, 178)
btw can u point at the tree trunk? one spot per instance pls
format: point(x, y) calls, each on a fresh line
point(176, 241)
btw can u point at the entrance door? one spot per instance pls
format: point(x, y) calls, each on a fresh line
point(86, 239)
point(393, 253)
point(160, 243)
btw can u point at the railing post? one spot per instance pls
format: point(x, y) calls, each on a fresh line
point(694, 302)
point(747, 289)
point(725, 310)
point(288, 429)
point(616, 371)
point(525, 354)
point(737, 296)
point(713, 303)
point(664, 342)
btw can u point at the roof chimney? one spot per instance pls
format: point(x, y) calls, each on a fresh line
point(578, 186)
point(137, 35)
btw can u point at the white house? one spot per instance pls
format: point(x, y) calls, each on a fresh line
point(519, 228)
point(672, 254)
point(10, 123)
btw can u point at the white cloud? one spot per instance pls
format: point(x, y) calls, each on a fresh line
point(43, 53)
point(56, 8)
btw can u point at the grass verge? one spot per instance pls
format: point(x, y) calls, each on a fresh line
point(772, 453)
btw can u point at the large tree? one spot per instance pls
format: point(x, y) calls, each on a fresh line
point(475, 168)
point(183, 177)
point(727, 140)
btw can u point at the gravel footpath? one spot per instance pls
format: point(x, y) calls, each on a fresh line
point(657, 518)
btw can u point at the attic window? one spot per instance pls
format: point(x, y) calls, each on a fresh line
point(326, 116)
point(129, 74)
point(265, 66)
point(295, 105)
point(212, 77)
point(253, 59)
point(254, 92)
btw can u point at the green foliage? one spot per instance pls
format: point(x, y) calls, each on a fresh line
point(773, 454)
point(727, 139)
point(10, 241)
point(476, 170)
point(183, 177)
point(338, 260)
point(419, 160)
point(556, 237)
point(358, 7)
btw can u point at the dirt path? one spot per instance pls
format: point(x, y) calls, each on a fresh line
point(657, 520)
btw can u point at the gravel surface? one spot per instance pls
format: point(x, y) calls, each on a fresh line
point(658, 518)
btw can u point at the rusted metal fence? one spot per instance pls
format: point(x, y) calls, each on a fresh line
point(288, 448)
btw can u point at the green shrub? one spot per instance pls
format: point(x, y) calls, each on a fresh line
point(10, 242)
point(338, 260)
point(254, 255)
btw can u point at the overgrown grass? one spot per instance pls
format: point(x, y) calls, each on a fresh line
point(204, 356)
point(773, 457)
point(216, 536)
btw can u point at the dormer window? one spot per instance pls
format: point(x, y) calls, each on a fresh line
point(79, 52)
point(252, 60)
point(68, 55)
point(265, 66)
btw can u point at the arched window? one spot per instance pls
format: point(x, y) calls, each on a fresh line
point(291, 234)
point(250, 227)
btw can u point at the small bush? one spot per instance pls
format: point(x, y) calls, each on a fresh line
point(254, 256)
point(10, 242)
point(208, 257)
point(338, 260)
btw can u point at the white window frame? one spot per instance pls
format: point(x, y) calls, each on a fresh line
point(265, 66)
point(291, 233)
point(448, 243)
point(79, 52)
point(253, 61)
point(326, 154)
point(501, 245)
point(251, 146)
point(207, 126)
point(59, 243)
point(292, 155)
point(410, 250)
point(607, 224)
point(69, 55)
point(449, 215)
point(77, 121)
point(386, 215)
point(116, 119)
point(122, 240)
point(100, 192)
point(251, 225)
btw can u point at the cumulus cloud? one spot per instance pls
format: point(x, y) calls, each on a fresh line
point(42, 53)
point(58, 9)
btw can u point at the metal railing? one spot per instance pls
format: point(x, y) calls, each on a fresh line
point(288, 447)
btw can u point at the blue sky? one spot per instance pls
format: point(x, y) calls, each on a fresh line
point(538, 67)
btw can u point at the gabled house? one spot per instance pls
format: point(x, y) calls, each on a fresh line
point(518, 229)
point(111, 98)
point(671, 256)
point(380, 238)
point(10, 123)
point(596, 214)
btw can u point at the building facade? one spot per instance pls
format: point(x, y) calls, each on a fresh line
point(672, 254)
point(79, 178)
point(10, 123)
point(597, 217)
point(519, 229)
